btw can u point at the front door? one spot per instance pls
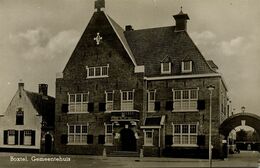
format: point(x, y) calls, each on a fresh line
point(48, 143)
point(128, 141)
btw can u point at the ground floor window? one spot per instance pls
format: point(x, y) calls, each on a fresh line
point(19, 137)
point(77, 134)
point(109, 134)
point(148, 137)
point(185, 134)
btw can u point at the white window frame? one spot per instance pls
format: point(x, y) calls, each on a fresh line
point(162, 68)
point(148, 142)
point(11, 137)
point(82, 104)
point(181, 135)
point(109, 103)
point(101, 75)
point(150, 102)
point(81, 134)
point(192, 102)
point(109, 135)
point(183, 69)
point(127, 104)
point(27, 137)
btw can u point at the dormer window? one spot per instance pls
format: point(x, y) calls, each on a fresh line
point(165, 67)
point(97, 72)
point(186, 66)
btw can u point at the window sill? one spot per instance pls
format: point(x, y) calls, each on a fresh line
point(108, 145)
point(184, 111)
point(78, 144)
point(185, 145)
point(151, 111)
point(78, 113)
point(166, 73)
point(97, 77)
point(148, 145)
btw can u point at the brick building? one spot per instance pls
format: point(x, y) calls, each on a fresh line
point(127, 90)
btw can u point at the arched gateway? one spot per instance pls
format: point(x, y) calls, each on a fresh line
point(234, 121)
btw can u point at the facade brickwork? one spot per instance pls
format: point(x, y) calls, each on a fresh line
point(150, 132)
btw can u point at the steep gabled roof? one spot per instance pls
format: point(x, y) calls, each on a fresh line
point(44, 105)
point(150, 46)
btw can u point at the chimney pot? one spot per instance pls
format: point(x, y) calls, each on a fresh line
point(20, 85)
point(129, 28)
point(43, 89)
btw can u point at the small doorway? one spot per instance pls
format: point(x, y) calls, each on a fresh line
point(48, 143)
point(128, 140)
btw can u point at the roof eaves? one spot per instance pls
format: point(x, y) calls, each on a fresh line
point(123, 41)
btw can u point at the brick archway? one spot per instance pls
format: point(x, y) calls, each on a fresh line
point(234, 121)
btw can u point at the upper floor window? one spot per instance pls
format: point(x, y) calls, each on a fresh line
point(77, 134)
point(11, 137)
point(27, 137)
point(185, 134)
point(127, 100)
point(185, 100)
point(109, 101)
point(78, 102)
point(186, 66)
point(97, 72)
point(151, 100)
point(165, 67)
point(20, 117)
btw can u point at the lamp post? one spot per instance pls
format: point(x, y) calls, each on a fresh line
point(243, 108)
point(210, 88)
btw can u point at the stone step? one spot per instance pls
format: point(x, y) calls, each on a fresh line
point(124, 154)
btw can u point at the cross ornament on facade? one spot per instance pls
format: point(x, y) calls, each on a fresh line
point(98, 38)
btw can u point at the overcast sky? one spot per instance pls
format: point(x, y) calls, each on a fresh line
point(38, 37)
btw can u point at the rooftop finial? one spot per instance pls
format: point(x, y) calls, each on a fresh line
point(181, 11)
point(99, 4)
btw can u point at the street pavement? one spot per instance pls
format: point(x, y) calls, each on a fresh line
point(246, 159)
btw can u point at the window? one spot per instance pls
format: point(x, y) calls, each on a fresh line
point(109, 101)
point(185, 100)
point(77, 134)
point(148, 137)
point(186, 66)
point(127, 102)
point(97, 72)
point(78, 102)
point(11, 137)
point(19, 117)
point(151, 101)
point(184, 134)
point(108, 134)
point(165, 67)
point(27, 137)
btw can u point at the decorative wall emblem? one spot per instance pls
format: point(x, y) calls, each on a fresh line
point(98, 38)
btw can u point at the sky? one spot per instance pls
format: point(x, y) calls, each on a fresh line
point(38, 37)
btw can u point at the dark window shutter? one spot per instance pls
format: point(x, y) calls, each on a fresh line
point(33, 138)
point(101, 139)
point(201, 140)
point(90, 139)
point(64, 108)
point(64, 139)
point(5, 137)
point(201, 104)
point(16, 138)
point(102, 107)
point(21, 137)
point(157, 106)
point(90, 107)
point(168, 140)
point(169, 106)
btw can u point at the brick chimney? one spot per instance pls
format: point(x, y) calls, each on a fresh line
point(21, 86)
point(129, 28)
point(43, 89)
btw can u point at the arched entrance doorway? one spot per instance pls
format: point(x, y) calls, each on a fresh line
point(128, 140)
point(236, 120)
point(48, 143)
